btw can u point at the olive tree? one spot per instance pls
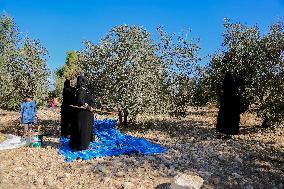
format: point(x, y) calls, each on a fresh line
point(124, 71)
point(257, 61)
point(23, 66)
point(130, 70)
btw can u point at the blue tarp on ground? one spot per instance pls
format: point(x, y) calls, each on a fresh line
point(111, 142)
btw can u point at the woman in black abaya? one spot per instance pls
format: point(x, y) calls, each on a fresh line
point(229, 112)
point(82, 128)
point(66, 110)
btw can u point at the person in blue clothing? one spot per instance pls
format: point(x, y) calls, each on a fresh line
point(28, 112)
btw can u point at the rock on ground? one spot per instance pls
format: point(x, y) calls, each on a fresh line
point(187, 181)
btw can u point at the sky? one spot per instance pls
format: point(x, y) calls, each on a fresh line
point(63, 25)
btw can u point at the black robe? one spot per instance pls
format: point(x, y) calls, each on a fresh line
point(67, 113)
point(229, 112)
point(82, 129)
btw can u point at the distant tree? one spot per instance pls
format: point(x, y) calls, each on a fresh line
point(70, 70)
point(257, 61)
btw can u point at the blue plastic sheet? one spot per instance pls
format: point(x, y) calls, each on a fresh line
point(111, 142)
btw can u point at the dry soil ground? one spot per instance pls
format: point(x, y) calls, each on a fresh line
point(253, 159)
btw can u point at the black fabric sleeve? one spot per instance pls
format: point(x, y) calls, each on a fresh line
point(81, 97)
point(68, 96)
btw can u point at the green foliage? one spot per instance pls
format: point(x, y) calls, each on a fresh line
point(23, 66)
point(70, 70)
point(202, 94)
point(258, 63)
point(180, 57)
point(127, 69)
point(124, 71)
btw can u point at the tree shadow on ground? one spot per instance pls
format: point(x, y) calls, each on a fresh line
point(176, 128)
point(12, 127)
point(203, 133)
point(48, 128)
point(164, 186)
point(203, 112)
point(262, 161)
point(250, 129)
point(50, 144)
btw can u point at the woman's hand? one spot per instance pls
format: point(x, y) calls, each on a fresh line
point(88, 107)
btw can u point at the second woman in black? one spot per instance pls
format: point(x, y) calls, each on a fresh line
point(66, 111)
point(82, 129)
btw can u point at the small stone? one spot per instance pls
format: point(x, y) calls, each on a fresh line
point(101, 168)
point(162, 166)
point(249, 187)
point(176, 166)
point(221, 158)
point(258, 170)
point(120, 174)
point(172, 173)
point(151, 158)
point(128, 185)
point(163, 159)
point(236, 175)
point(238, 159)
point(185, 181)
point(216, 180)
point(107, 180)
point(18, 168)
point(40, 181)
point(205, 174)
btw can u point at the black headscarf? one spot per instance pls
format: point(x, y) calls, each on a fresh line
point(81, 81)
point(68, 93)
point(67, 83)
point(83, 94)
point(229, 87)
